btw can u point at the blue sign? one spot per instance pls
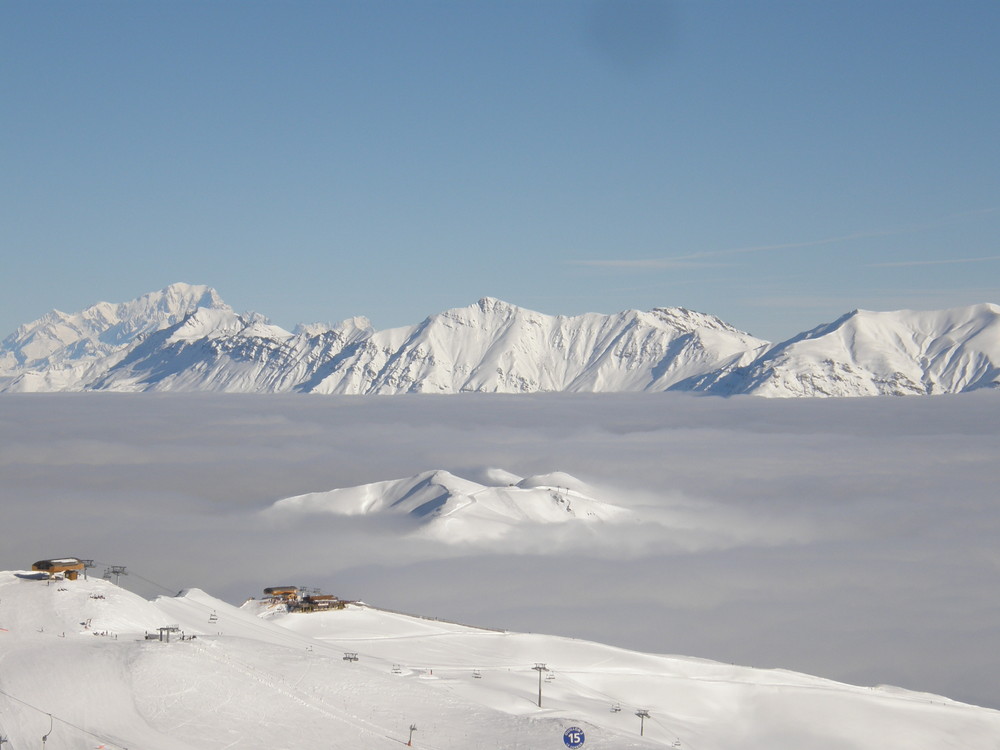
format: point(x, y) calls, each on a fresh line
point(574, 737)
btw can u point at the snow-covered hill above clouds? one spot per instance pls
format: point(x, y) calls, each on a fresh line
point(184, 338)
point(546, 514)
point(504, 509)
point(80, 670)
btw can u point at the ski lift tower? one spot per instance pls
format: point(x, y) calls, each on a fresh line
point(539, 667)
point(115, 570)
point(643, 714)
point(166, 630)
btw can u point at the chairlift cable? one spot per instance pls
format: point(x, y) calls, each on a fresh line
point(52, 716)
point(168, 589)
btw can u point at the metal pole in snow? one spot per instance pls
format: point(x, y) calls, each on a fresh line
point(643, 714)
point(539, 667)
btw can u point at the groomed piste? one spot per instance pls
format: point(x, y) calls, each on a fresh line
point(88, 664)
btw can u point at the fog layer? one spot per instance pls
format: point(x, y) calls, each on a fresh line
point(854, 539)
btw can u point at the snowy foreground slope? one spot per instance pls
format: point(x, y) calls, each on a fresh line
point(259, 677)
point(185, 338)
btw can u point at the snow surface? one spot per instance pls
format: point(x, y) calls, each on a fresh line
point(869, 353)
point(260, 677)
point(849, 538)
point(185, 338)
point(459, 511)
point(60, 351)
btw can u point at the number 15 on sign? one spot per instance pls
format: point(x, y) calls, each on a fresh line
point(574, 737)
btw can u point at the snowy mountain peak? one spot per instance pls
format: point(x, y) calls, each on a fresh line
point(866, 353)
point(492, 305)
point(59, 350)
point(492, 346)
point(109, 324)
point(216, 323)
point(351, 328)
point(689, 320)
point(455, 510)
point(181, 296)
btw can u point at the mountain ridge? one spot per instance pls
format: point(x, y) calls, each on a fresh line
point(868, 353)
point(186, 338)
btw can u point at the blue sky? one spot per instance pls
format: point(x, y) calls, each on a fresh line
point(774, 163)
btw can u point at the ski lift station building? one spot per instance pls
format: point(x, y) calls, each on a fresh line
point(297, 600)
point(283, 593)
point(68, 566)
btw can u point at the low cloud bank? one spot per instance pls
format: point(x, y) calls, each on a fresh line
point(548, 514)
point(854, 539)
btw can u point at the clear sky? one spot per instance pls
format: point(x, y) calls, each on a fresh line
point(774, 163)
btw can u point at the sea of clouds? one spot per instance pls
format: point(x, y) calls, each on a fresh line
point(854, 539)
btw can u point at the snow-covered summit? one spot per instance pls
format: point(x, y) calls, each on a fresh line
point(61, 351)
point(185, 338)
point(867, 353)
point(103, 326)
point(352, 328)
point(460, 511)
point(496, 347)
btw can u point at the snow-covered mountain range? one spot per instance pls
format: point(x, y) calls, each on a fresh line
point(185, 338)
point(87, 664)
point(868, 353)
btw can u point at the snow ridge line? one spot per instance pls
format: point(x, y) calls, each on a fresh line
point(436, 619)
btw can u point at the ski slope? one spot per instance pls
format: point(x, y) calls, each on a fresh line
point(260, 677)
